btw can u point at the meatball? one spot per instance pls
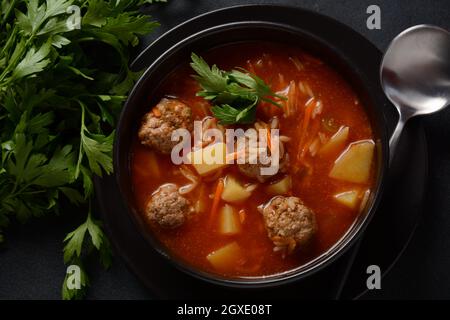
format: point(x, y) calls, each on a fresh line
point(289, 223)
point(168, 208)
point(157, 125)
point(252, 169)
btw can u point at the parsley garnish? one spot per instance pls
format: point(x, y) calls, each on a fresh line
point(234, 94)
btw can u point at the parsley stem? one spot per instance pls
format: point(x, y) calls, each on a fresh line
point(12, 64)
point(7, 13)
point(33, 192)
point(15, 193)
point(80, 149)
point(10, 40)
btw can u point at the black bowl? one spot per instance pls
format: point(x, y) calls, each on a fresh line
point(268, 23)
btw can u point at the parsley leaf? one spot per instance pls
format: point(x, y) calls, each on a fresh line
point(121, 25)
point(212, 80)
point(97, 148)
point(229, 115)
point(88, 234)
point(234, 94)
point(34, 61)
point(33, 169)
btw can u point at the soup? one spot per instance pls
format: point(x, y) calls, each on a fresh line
point(229, 219)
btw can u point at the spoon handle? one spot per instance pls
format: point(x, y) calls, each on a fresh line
point(395, 138)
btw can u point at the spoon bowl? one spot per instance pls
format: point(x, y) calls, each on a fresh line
point(415, 74)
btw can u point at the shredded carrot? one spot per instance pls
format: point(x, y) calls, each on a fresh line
point(304, 129)
point(156, 112)
point(315, 126)
point(291, 104)
point(269, 141)
point(242, 215)
point(216, 200)
point(305, 148)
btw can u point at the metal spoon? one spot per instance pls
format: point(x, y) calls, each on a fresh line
point(415, 74)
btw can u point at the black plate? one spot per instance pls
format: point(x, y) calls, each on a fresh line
point(166, 281)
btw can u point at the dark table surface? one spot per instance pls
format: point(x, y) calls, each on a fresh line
point(31, 265)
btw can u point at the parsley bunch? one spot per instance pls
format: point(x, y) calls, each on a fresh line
point(235, 94)
point(58, 106)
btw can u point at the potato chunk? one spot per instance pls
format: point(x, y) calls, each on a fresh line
point(209, 159)
point(348, 198)
point(336, 142)
point(229, 221)
point(354, 164)
point(233, 191)
point(281, 187)
point(226, 258)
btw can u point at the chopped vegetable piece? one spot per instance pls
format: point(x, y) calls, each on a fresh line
point(226, 258)
point(348, 198)
point(304, 129)
point(291, 103)
point(314, 146)
point(233, 191)
point(281, 187)
point(229, 221)
point(313, 132)
point(354, 164)
point(269, 140)
point(242, 215)
point(306, 119)
point(208, 159)
point(216, 200)
point(336, 142)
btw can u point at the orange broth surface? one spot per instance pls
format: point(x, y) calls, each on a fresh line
point(277, 64)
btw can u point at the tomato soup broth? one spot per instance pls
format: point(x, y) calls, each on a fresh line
point(299, 76)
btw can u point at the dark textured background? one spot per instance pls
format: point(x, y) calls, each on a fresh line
point(31, 265)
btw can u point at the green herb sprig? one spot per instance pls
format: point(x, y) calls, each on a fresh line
point(58, 108)
point(235, 94)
